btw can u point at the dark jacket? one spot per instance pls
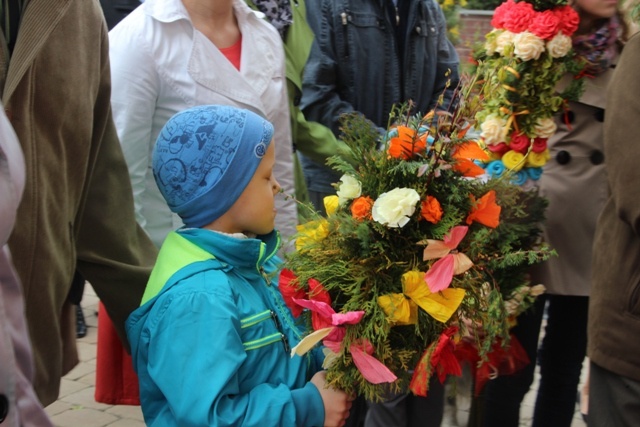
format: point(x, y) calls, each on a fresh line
point(614, 307)
point(362, 62)
point(115, 10)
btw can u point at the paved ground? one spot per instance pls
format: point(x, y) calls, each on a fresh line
point(76, 406)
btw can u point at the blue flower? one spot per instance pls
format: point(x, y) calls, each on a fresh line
point(495, 168)
point(534, 173)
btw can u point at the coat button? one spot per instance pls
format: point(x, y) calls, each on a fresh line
point(596, 157)
point(563, 157)
point(599, 115)
point(4, 407)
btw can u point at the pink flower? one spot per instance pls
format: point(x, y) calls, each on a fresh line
point(568, 19)
point(518, 17)
point(499, 14)
point(545, 24)
point(519, 142)
point(539, 145)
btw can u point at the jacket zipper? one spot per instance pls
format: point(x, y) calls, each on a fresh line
point(344, 16)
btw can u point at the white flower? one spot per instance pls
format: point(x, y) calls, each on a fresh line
point(504, 40)
point(545, 128)
point(493, 130)
point(349, 189)
point(394, 207)
point(527, 46)
point(490, 43)
point(559, 45)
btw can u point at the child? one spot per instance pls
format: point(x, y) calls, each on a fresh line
point(211, 341)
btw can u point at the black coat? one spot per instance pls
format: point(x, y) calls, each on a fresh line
point(116, 10)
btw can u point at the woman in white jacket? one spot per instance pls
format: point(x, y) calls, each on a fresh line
point(169, 55)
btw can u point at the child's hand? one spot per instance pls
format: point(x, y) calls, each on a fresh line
point(336, 403)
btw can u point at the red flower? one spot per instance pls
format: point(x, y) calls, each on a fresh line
point(500, 148)
point(539, 145)
point(290, 289)
point(499, 14)
point(519, 16)
point(568, 18)
point(519, 142)
point(545, 24)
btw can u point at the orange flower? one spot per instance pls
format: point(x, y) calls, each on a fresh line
point(431, 210)
point(485, 211)
point(405, 145)
point(465, 154)
point(361, 208)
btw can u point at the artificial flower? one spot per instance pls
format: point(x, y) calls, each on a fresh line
point(513, 160)
point(527, 46)
point(395, 207)
point(292, 291)
point(500, 148)
point(440, 356)
point(534, 173)
point(503, 41)
point(539, 145)
point(518, 16)
point(520, 177)
point(311, 233)
point(569, 18)
point(407, 143)
point(465, 154)
point(493, 129)
point(545, 24)
point(495, 168)
point(519, 142)
point(485, 210)
point(331, 204)
point(361, 208)
point(431, 210)
point(537, 160)
point(451, 261)
point(545, 127)
point(559, 45)
point(401, 309)
point(349, 189)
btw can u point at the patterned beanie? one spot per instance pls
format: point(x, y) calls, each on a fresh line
point(205, 157)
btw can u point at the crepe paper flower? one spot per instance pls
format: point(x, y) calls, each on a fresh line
point(539, 145)
point(500, 360)
point(333, 333)
point(520, 177)
point(361, 208)
point(451, 261)
point(495, 168)
point(331, 204)
point(407, 143)
point(534, 173)
point(513, 160)
point(431, 210)
point(499, 149)
point(402, 309)
point(493, 129)
point(395, 207)
point(311, 233)
point(465, 154)
point(440, 358)
point(485, 210)
point(291, 290)
point(537, 160)
point(349, 189)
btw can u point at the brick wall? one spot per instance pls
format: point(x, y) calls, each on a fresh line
point(474, 24)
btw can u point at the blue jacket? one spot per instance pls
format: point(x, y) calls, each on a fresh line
point(362, 61)
point(212, 346)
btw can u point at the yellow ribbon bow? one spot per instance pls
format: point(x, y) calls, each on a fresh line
point(402, 309)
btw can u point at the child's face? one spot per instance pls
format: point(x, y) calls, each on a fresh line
point(254, 211)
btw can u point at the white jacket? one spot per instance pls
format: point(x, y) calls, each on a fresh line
point(160, 65)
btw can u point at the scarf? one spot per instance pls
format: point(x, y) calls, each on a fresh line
point(278, 13)
point(598, 49)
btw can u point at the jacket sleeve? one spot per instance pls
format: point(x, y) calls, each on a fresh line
point(133, 100)
point(448, 62)
point(622, 151)
point(114, 253)
point(203, 388)
point(320, 100)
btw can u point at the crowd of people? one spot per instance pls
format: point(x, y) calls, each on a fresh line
point(146, 145)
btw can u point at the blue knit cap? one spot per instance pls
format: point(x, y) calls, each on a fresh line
point(205, 157)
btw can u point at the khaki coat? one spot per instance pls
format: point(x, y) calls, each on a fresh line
point(77, 202)
point(575, 183)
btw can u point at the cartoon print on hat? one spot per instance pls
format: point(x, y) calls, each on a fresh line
point(205, 156)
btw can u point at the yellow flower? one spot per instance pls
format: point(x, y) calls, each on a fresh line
point(513, 160)
point(331, 204)
point(311, 233)
point(537, 160)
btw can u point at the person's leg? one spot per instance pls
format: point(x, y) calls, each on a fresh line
point(561, 356)
point(614, 401)
point(391, 412)
point(427, 411)
point(503, 395)
point(317, 200)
